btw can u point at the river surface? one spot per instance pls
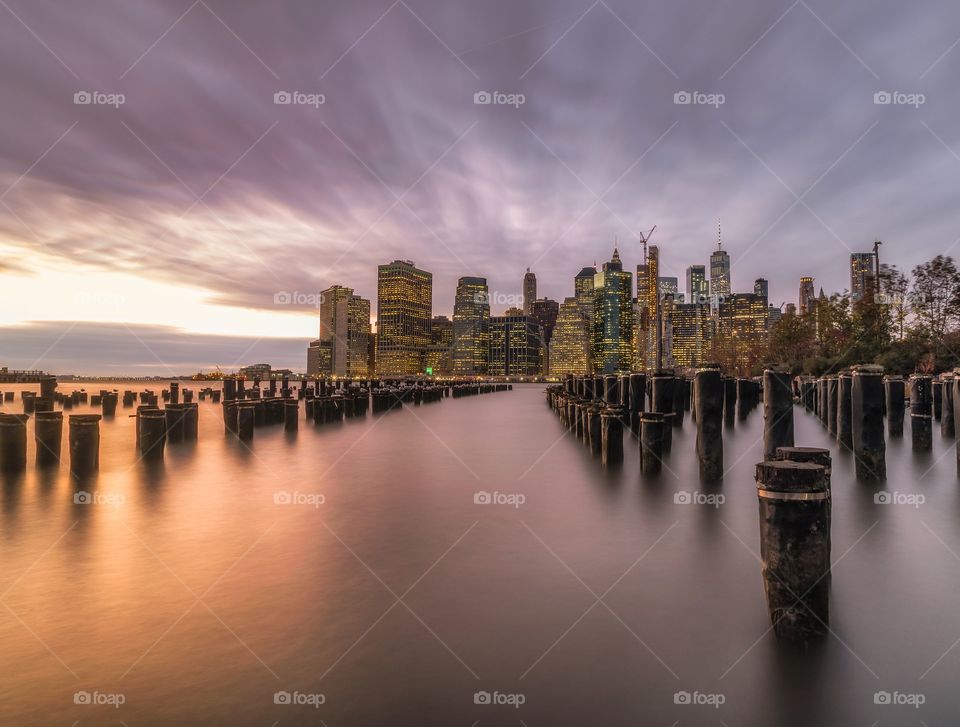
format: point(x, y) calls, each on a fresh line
point(351, 567)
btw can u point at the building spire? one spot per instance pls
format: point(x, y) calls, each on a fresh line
point(719, 242)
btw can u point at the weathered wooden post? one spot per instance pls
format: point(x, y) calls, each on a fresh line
point(709, 390)
point(833, 386)
point(13, 442)
point(921, 423)
point(895, 398)
point(662, 402)
point(777, 411)
point(84, 439)
point(651, 442)
point(845, 409)
point(869, 447)
point(794, 503)
point(611, 420)
point(291, 411)
point(152, 433)
point(48, 433)
point(947, 422)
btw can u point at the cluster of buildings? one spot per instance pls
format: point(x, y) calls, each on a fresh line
point(608, 325)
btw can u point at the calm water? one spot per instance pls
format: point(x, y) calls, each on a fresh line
point(197, 597)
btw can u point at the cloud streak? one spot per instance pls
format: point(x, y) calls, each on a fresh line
point(297, 198)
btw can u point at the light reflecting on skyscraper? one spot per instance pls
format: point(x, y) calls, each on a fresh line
point(613, 318)
point(404, 310)
point(471, 327)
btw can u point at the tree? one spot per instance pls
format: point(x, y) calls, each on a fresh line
point(792, 338)
point(935, 297)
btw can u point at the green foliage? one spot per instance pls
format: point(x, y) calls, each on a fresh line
point(902, 326)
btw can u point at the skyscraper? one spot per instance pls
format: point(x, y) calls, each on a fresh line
point(439, 355)
point(862, 274)
point(583, 290)
point(647, 331)
point(341, 349)
point(545, 311)
point(471, 327)
point(613, 318)
point(742, 329)
point(697, 288)
point(808, 296)
point(404, 310)
point(668, 286)
point(529, 292)
point(691, 329)
point(570, 344)
point(516, 345)
point(351, 337)
point(761, 287)
point(719, 273)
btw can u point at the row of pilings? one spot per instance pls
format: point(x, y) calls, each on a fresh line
point(854, 404)
point(244, 409)
point(793, 483)
point(599, 409)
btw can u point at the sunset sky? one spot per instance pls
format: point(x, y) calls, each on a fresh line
point(151, 236)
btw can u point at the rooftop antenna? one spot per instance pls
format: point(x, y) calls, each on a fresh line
point(719, 243)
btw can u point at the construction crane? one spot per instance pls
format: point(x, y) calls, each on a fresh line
point(643, 239)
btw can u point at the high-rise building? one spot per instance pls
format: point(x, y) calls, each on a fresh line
point(583, 290)
point(808, 296)
point(862, 274)
point(647, 331)
point(529, 292)
point(471, 327)
point(404, 310)
point(742, 326)
point(545, 311)
point(774, 314)
point(351, 337)
point(318, 358)
point(571, 342)
point(691, 330)
point(761, 287)
point(668, 286)
point(516, 345)
point(613, 318)
point(344, 333)
point(719, 274)
point(438, 359)
point(697, 288)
